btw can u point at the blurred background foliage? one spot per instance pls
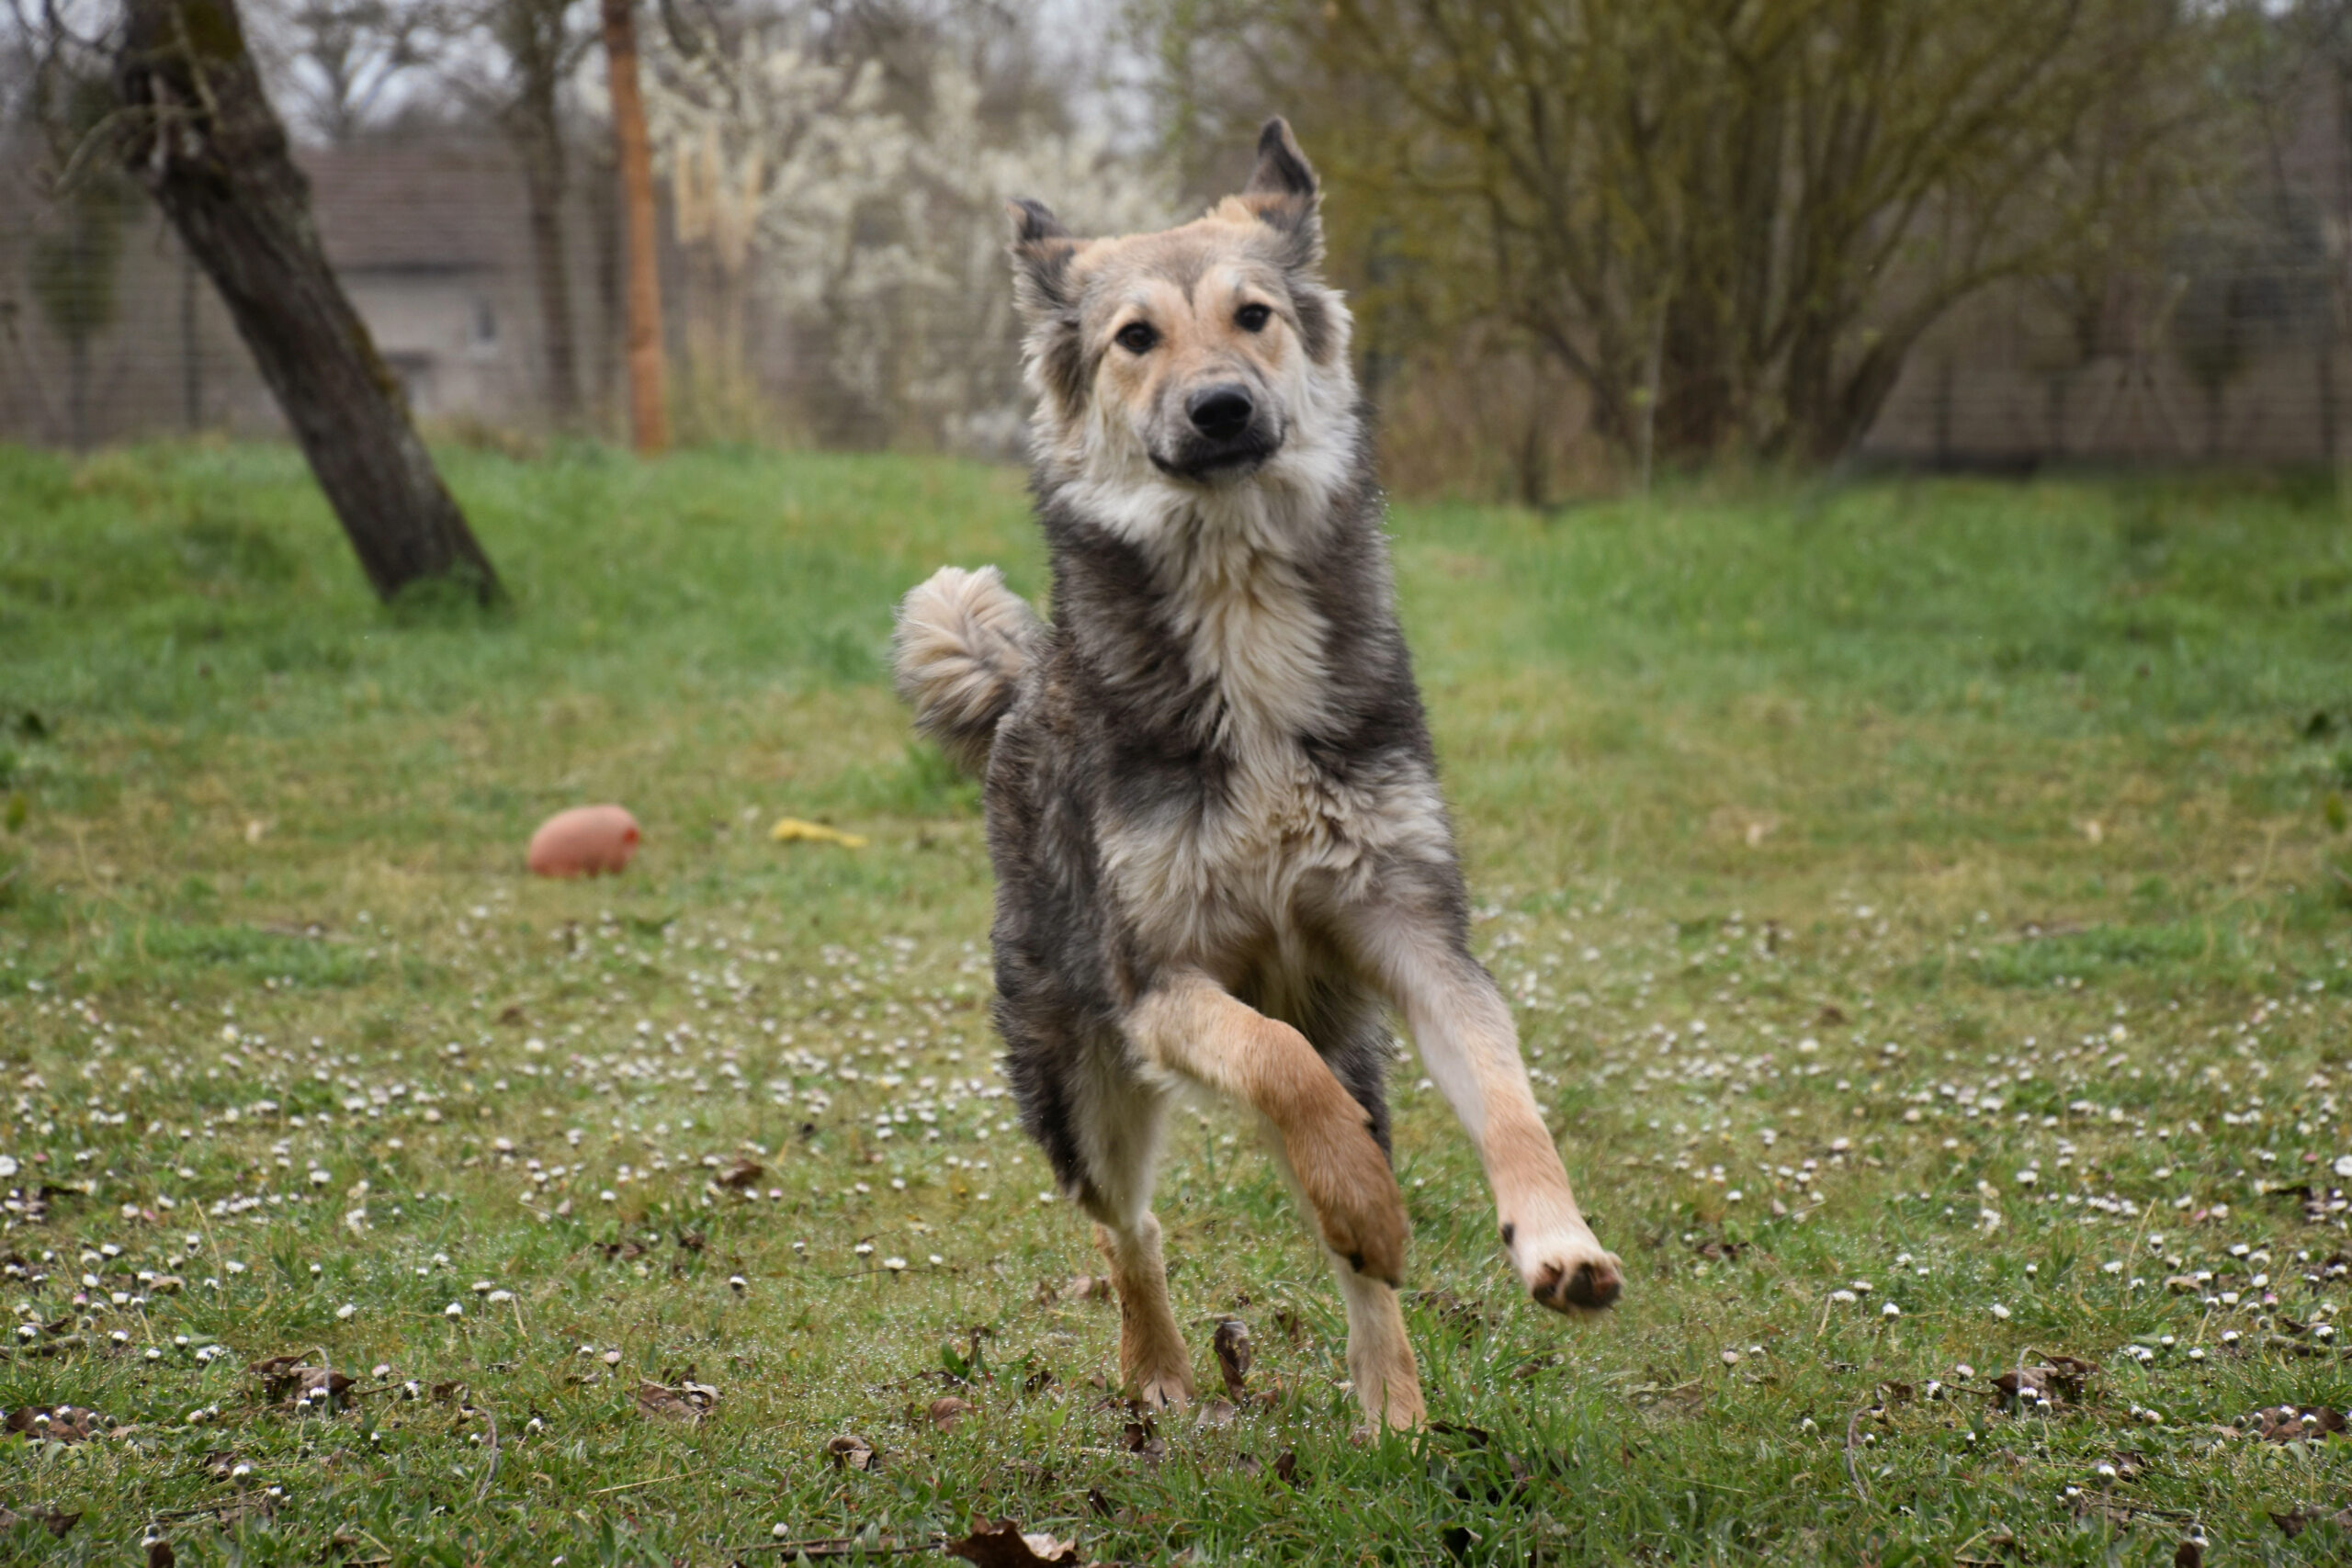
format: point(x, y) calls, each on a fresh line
point(1587, 240)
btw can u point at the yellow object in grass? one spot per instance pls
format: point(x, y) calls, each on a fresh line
point(792, 830)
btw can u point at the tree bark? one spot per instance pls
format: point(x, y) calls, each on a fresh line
point(648, 411)
point(543, 178)
point(209, 148)
point(534, 35)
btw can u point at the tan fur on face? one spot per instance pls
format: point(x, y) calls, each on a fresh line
point(1190, 287)
point(1102, 409)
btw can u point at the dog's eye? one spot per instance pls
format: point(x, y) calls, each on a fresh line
point(1253, 318)
point(1136, 338)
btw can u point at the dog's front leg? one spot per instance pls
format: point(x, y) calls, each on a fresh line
point(1322, 1140)
point(1192, 1027)
point(1471, 1049)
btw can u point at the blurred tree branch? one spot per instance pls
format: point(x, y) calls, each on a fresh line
point(1731, 220)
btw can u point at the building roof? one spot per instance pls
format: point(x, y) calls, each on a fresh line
point(438, 207)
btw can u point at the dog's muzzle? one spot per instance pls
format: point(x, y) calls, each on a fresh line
point(1227, 430)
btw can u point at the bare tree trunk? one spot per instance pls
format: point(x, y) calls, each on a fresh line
point(543, 186)
point(605, 224)
point(536, 129)
point(649, 416)
point(191, 362)
point(212, 152)
point(77, 391)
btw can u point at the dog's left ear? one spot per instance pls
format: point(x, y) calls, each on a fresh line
point(1041, 249)
point(1282, 192)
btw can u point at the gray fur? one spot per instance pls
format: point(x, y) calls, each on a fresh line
point(1211, 761)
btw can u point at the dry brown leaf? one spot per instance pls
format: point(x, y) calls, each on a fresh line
point(743, 1173)
point(287, 1379)
point(56, 1522)
point(1002, 1545)
point(947, 1410)
point(2059, 1378)
point(2293, 1524)
point(1232, 1344)
point(689, 1401)
point(850, 1451)
point(1215, 1413)
point(2286, 1423)
point(1077, 1288)
point(53, 1423)
point(1143, 1438)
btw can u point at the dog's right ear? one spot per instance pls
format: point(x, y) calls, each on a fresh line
point(1042, 250)
point(1042, 293)
point(1283, 193)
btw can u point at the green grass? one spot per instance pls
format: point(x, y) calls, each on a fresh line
point(1988, 830)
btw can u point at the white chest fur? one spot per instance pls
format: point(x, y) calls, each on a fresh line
point(1211, 882)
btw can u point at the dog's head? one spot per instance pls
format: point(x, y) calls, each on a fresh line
point(1206, 351)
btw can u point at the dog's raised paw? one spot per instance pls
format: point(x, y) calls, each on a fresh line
point(1358, 1210)
point(1571, 1275)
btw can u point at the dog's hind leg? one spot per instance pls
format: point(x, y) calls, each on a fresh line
point(1190, 1026)
point(1471, 1049)
point(1120, 1137)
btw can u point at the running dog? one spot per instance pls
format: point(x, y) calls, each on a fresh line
point(1212, 806)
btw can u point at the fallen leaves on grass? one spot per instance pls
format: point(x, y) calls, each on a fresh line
point(2061, 1378)
point(850, 1451)
point(1232, 1344)
point(2294, 1523)
point(2288, 1423)
point(1215, 1413)
point(689, 1401)
point(1002, 1545)
point(742, 1174)
point(1077, 1288)
point(947, 1410)
point(1143, 1438)
point(53, 1423)
point(288, 1380)
point(55, 1520)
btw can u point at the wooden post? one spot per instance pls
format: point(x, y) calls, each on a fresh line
point(649, 409)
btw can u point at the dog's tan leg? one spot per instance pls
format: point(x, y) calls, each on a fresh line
point(1380, 1358)
point(1153, 1363)
point(1386, 1379)
point(1471, 1049)
point(1195, 1029)
point(1121, 1135)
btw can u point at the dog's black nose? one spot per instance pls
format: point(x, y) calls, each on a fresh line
point(1220, 412)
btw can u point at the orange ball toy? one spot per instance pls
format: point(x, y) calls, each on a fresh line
point(584, 842)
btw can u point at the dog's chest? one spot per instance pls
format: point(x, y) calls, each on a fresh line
point(1224, 861)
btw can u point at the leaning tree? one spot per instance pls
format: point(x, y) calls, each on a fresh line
point(198, 132)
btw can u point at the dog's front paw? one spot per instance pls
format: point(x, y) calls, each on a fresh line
point(1566, 1269)
point(1167, 1389)
point(1154, 1366)
point(1358, 1210)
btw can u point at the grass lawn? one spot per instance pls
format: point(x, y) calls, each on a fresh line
point(1929, 907)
